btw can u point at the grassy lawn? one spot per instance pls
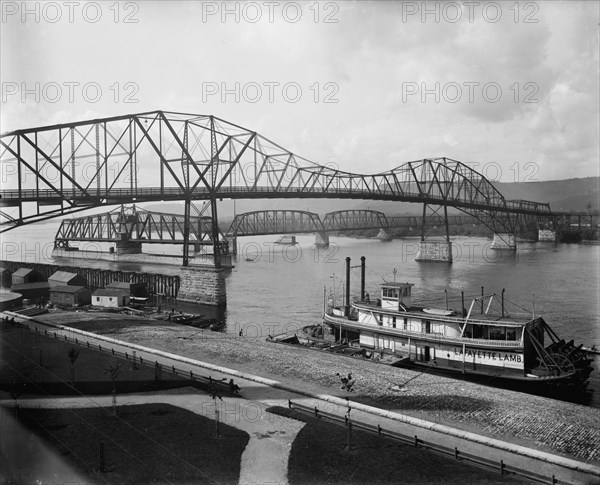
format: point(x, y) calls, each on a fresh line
point(319, 455)
point(150, 443)
point(38, 364)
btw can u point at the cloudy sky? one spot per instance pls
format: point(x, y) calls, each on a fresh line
point(366, 86)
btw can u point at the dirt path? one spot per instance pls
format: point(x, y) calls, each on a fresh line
point(265, 458)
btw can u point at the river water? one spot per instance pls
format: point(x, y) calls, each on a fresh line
point(274, 288)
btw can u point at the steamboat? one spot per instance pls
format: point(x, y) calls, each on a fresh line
point(478, 341)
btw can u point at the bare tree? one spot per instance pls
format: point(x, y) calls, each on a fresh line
point(215, 394)
point(16, 389)
point(113, 372)
point(73, 354)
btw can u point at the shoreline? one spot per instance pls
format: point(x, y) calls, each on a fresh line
point(558, 427)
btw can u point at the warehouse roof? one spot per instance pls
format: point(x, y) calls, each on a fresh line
point(110, 292)
point(64, 276)
point(66, 289)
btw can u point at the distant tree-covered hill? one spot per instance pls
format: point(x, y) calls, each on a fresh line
point(577, 194)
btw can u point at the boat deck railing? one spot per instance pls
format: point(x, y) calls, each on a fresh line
point(435, 337)
point(498, 321)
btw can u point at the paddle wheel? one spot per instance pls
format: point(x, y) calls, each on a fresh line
point(559, 358)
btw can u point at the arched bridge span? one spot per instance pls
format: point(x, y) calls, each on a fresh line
point(290, 222)
point(258, 223)
point(353, 219)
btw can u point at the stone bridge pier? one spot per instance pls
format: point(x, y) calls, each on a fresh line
point(203, 285)
point(322, 240)
point(504, 240)
point(546, 235)
point(435, 251)
point(233, 249)
point(384, 235)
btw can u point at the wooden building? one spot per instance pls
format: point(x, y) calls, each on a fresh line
point(26, 275)
point(5, 278)
point(110, 297)
point(70, 295)
point(32, 291)
point(132, 289)
point(64, 278)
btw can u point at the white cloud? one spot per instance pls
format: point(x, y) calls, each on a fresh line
point(370, 55)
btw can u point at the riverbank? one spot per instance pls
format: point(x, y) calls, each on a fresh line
point(150, 424)
point(554, 426)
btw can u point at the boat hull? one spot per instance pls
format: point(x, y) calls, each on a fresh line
point(503, 362)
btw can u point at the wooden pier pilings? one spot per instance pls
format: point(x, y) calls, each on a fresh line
point(158, 284)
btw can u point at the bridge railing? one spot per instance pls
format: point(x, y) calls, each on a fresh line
point(17, 195)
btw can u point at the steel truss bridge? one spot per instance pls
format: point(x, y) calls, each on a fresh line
point(142, 226)
point(288, 221)
point(136, 225)
point(133, 224)
point(57, 170)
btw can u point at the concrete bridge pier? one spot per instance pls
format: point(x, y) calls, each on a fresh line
point(435, 251)
point(384, 235)
point(504, 240)
point(322, 240)
point(546, 235)
point(202, 285)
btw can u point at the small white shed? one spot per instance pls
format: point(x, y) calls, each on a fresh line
point(110, 297)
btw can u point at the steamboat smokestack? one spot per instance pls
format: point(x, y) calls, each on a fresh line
point(482, 300)
point(362, 278)
point(347, 303)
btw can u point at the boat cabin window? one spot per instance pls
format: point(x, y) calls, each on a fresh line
point(390, 293)
point(473, 331)
point(394, 322)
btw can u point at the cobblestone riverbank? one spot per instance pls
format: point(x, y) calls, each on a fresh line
point(545, 424)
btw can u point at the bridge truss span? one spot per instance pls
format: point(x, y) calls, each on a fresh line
point(351, 219)
point(136, 225)
point(275, 222)
point(61, 169)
